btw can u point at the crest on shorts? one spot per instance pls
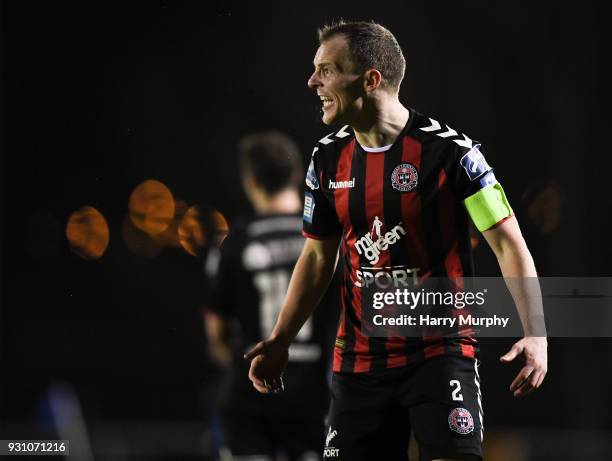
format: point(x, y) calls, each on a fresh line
point(404, 177)
point(460, 421)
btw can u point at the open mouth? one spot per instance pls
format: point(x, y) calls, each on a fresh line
point(327, 101)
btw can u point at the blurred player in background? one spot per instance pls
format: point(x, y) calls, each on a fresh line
point(397, 189)
point(250, 278)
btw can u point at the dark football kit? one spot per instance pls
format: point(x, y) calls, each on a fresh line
point(250, 275)
point(403, 213)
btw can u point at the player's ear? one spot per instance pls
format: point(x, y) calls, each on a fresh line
point(372, 80)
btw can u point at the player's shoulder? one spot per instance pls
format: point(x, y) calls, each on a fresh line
point(440, 135)
point(330, 145)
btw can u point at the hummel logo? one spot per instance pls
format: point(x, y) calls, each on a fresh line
point(342, 184)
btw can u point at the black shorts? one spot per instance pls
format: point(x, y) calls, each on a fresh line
point(372, 414)
point(260, 435)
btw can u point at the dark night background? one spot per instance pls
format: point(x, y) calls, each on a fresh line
point(100, 96)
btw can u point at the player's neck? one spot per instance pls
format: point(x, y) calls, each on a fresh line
point(284, 202)
point(381, 123)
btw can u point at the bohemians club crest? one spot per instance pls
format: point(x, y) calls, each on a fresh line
point(404, 177)
point(460, 421)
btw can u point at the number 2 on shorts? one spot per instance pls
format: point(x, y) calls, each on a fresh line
point(456, 394)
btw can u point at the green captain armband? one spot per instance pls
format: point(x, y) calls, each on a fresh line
point(488, 206)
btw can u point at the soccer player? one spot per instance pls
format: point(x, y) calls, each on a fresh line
point(423, 180)
point(250, 275)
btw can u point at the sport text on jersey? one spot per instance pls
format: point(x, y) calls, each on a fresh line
point(383, 278)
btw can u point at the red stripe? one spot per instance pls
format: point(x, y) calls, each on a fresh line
point(452, 261)
point(412, 217)
point(341, 196)
point(361, 348)
point(375, 180)
point(468, 350)
point(448, 226)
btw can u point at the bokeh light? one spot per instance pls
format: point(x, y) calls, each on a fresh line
point(191, 233)
point(87, 233)
point(474, 237)
point(152, 207)
point(137, 241)
point(220, 226)
point(544, 201)
point(169, 237)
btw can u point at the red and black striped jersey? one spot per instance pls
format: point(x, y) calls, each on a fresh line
point(401, 214)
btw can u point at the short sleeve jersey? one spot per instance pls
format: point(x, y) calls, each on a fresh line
point(249, 276)
point(402, 214)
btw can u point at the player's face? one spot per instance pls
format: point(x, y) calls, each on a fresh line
point(337, 83)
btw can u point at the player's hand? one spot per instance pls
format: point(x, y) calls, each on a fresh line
point(268, 361)
point(534, 349)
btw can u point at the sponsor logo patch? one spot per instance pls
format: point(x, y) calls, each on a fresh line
point(309, 205)
point(330, 452)
point(460, 421)
point(373, 243)
point(474, 163)
point(330, 435)
point(404, 177)
point(340, 343)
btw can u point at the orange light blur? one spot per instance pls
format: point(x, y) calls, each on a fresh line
point(170, 237)
point(545, 208)
point(87, 233)
point(191, 232)
point(474, 237)
point(220, 225)
point(152, 207)
point(137, 241)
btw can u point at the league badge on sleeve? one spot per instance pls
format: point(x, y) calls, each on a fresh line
point(474, 163)
point(460, 421)
point(311, 176)
point(404, 177)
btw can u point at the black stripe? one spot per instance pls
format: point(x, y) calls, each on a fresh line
point(348, 355)
point(430, 209)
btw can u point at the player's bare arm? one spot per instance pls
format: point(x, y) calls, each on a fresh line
point(311, 276)
point(517, 267)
